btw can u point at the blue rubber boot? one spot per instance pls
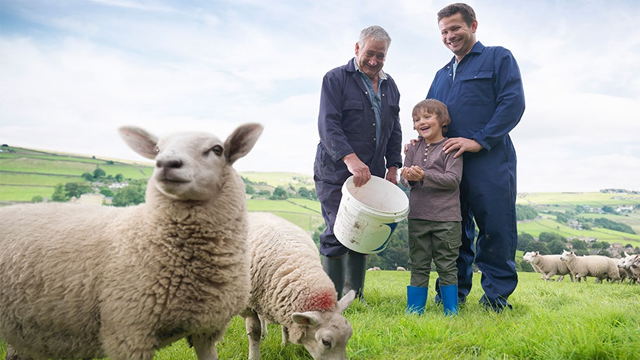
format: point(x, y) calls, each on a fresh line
point(416, 299)
point(449, 299)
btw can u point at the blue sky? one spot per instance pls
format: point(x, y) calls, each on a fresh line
point(73, 71)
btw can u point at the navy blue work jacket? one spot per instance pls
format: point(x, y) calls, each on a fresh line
point(347, 124)
point(486, 98)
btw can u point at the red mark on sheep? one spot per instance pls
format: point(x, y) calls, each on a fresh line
point(325, 300)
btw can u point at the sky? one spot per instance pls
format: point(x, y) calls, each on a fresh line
point(73, 71)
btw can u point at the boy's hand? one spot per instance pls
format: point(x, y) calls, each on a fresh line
point(413, 173)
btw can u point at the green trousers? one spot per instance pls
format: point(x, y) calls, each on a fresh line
point(436, 241)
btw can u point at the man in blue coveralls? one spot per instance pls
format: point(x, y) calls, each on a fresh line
point(360, 134)
point(482, 88)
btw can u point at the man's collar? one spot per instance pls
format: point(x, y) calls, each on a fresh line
point(381, 74)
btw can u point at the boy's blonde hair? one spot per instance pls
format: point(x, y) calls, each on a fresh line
point(436, 108)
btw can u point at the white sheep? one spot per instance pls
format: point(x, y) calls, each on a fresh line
point(624, 266)
point(548, 265)
point(600, 267)
point(290, 288)
point(92, 282)
point(634, 265)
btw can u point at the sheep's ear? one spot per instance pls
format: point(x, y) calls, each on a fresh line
point(346, 301)
point(308, 318)
point(241, 141)
point(140, 141)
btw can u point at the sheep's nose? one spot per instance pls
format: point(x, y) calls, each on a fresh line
point(169, 163)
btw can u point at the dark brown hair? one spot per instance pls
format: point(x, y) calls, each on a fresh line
point(436, 108)
point(468, 15)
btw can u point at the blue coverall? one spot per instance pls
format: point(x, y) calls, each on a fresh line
point(346, 124)
point(485, 101)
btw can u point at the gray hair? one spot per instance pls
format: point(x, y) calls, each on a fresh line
point(375, 32)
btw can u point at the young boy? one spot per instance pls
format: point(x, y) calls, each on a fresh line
point(434, 207)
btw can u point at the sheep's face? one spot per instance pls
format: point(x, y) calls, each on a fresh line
point(528, 256)
point(327, 332)
point(566, 255)
point(190, 166)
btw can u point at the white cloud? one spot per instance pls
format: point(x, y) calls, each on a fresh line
point(73, 72)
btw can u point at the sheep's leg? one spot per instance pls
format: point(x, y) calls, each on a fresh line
point(560, 278)
point(205, 346)
point(254, 332)
point(285, 336)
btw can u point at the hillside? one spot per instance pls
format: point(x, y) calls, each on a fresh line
point(25, 173)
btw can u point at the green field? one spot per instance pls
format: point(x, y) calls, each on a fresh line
point(549, 321)
point(302, 212)
point(27, 173)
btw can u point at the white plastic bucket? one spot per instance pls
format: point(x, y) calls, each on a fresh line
point(369, 214)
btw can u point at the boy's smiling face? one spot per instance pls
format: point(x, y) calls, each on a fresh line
point(428, 126)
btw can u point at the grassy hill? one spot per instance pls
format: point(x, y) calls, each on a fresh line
point(25, 173)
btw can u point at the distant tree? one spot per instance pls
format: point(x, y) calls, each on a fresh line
point(37, 199)
point(556, 247)
point(523, 240)
point(75, 189)
point(119, 177)
point(561, 218)
point(130, 195)
point(280, 194)
point(522, 265)
point(608, 209)
point(303, 192)
point(59, 195)
point(98, 173)
point(577, 244)
point(604, 252)
point(538, 246)
point(547, 237)
point(612, 225)
point(87, 176)
point(248, 189)
point(525, 212)
point(106, 192)
point(397, 251)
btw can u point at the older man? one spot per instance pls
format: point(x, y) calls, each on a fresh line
point(360, 135)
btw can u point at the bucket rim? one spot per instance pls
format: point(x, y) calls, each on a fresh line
point(371, 209)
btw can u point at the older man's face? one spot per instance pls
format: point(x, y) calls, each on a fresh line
point(371, 57)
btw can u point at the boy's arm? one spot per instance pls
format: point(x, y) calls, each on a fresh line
point(451, 177)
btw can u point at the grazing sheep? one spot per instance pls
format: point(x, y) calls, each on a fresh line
point(375, 268)
point(548, 265)
point(290, 288)
point(400, 268)
point(624, 266)
point(80, 282)
point(600, 267)
point(527, 257)
point(634, 265)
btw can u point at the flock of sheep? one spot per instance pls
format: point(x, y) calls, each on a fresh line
point(580, 267)
point(81, 282)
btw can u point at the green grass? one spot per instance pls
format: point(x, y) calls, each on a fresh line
point(302, 212)
point(550, 321)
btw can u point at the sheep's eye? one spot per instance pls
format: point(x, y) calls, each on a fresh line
point(156, 149)
point(217, 150)
point(326, 342)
